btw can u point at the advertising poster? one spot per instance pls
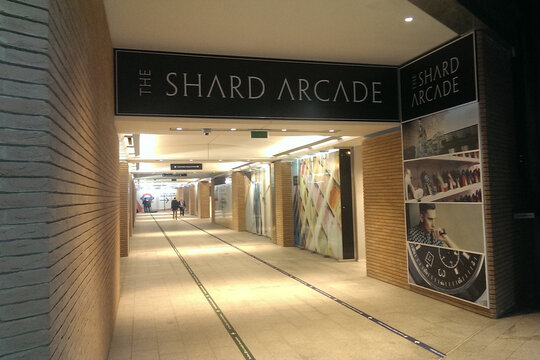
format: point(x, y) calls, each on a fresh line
point(317, 205)
point(223, 204)
point(258, 204)
point(442, 175)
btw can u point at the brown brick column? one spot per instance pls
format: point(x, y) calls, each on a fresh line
point(192, 200)
point(203, 199)
point(185, 196)
point(180, 194)
point(125, 225)
point(238, 201)
point(283, 205)
point(383, 206)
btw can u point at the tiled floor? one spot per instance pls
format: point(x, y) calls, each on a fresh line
point(164, 314)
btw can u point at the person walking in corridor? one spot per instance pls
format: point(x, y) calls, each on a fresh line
point(182, 205)
point(174, 207)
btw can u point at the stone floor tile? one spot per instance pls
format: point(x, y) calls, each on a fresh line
point(163, 313)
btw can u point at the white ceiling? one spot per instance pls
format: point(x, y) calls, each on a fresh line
point(357, 31)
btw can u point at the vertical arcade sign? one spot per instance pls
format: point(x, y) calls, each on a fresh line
point(446, 246)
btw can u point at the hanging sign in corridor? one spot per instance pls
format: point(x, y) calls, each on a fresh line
point(186, 85)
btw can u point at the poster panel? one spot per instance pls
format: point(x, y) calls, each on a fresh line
point(445, 178)
point(258, 206)
point(317, 204)
point(223, 204)
point(442, 174)
point(446, 132)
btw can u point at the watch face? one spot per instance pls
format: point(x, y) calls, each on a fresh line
point(447, 270)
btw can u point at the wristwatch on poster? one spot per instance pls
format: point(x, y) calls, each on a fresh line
point(450, 271)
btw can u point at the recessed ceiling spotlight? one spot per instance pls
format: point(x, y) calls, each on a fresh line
point(283, 129)
point(191, 160)
point(178, 129)
point(220, 160)
point(331, 130)
point(408, 19)
point(233, 129)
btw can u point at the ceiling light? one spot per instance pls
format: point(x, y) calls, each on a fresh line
point(220, 160)
point(331, 130)
point(191, 160)
point(178, 129)
point(324, 143)
point(283, 129)
point(297, 151)
point(408, 19)
point(233, 129)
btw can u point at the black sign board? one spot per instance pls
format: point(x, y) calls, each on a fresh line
point(190, 166)
point(439, 80)
point(187, 85)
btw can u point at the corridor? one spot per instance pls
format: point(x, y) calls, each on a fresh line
point(191, 289)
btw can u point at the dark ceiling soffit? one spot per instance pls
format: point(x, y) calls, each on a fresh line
point(451, 14)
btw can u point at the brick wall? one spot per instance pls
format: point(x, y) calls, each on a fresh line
point(193, 200)
point(283, 205)
point(124, 185)
point(500, 171)
point(186, 198)
point(203, 199)
point(132, 206)
point(59, 249)
point(238, 201)
point(180, 194)
point(386, 255)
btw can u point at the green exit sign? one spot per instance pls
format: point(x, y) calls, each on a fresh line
point(259, 134)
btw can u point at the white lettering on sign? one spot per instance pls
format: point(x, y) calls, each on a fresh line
point(435, 82)
point(325, 91)
point(253, 87)
point(145, 78)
